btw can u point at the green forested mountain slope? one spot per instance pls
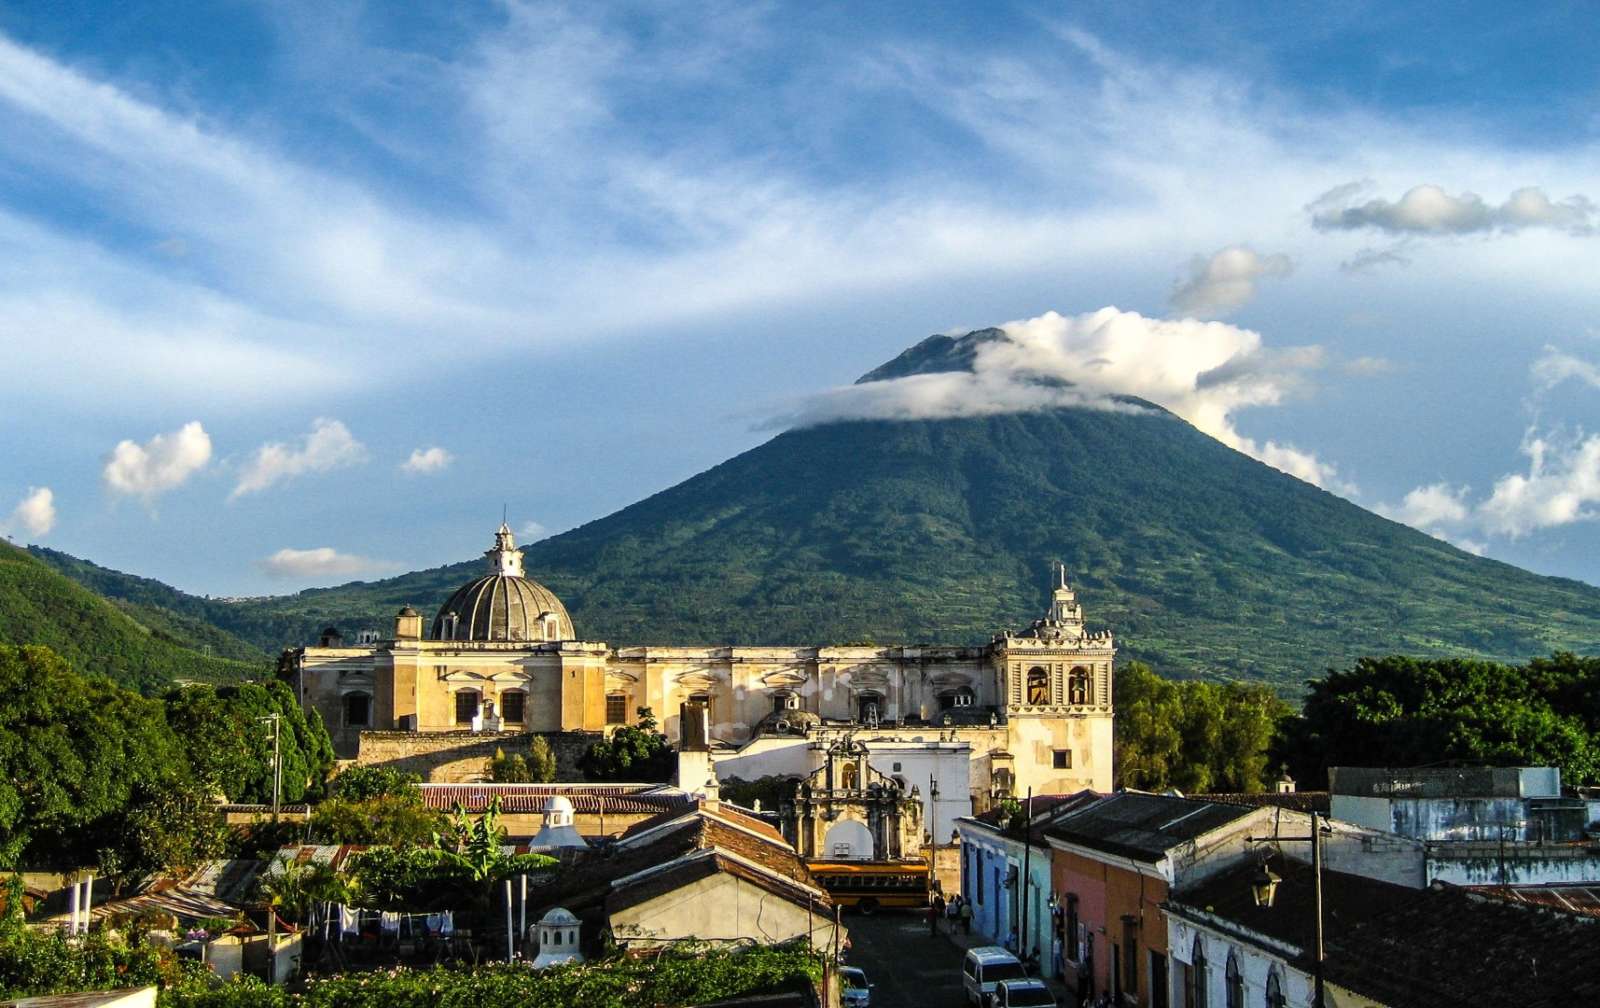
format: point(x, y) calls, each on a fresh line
point(38, 605)
point(187, 620)
point(1203, 560)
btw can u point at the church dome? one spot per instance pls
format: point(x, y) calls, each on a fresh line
point(503, 605)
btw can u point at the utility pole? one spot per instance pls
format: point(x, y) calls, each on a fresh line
point(277, 764)
point(1027, 848)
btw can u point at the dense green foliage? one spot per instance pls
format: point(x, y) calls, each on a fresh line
point(461, 870)
point(1400, 711)
point(76, 754)
point(1204, 561)
point(292, 887)
point(95, 774)
point(634, 753)
point(675, 979)
point(360, 783)
point(229, 742)
point(376, 805)
point(537, 766)
point(386, 819)
point(1193, 735)
point(46, 962)
point(770, 791)
point(38, 605)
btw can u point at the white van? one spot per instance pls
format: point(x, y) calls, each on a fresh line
point(984, 967)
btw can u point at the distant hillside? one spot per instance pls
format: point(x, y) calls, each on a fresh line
point(1204, 561)
point(38, 605)
point(187, 620)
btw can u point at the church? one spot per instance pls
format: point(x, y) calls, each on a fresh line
point(501, 658)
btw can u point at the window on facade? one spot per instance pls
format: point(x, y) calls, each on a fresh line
point(870, 708)
point(616, 708)
point(357, 710)
point(784, 701)
point(1274, 990)
point(1235, 989)
point(1130, 956)
point(977, 875)
point(466, 706)
point(552, 628)
point(1198, 979)
point(847, 777)
point(512, 705)
point(1078, 686)
point(1061, 759)
point(951, 699)
point(1038, 686)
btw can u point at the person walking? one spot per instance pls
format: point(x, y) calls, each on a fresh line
point(966, 917)
point(938, 911)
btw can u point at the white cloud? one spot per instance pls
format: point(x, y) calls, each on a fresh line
point(426, 460)
point(160, 464)
point(35, 514)
point(1562, 481)
point(1429, 508)
point(328, 446)
point(321, 562)
point(1203, 371)
point(532, 532)
point(1225, 280)
point(1429, 210)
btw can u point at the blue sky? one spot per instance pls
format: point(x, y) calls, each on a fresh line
point(297, 293)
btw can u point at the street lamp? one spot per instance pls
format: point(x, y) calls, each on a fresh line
point(1264, 888)
point(1264, 885)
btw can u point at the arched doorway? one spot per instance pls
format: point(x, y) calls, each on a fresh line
point(847, 841)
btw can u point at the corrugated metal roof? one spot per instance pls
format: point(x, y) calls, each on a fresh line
point(1143, 826)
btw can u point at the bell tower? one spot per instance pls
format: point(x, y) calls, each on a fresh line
point(1055, 689)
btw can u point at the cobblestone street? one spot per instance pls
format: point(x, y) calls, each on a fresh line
point(910, 968)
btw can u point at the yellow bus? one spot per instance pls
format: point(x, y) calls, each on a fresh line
point(869, 886)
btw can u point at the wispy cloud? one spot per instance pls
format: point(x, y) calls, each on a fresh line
point(328, 446)
point(34, 515)
point(1226, 280)
point(320, 562)
point(424, 461)
point(161, 464)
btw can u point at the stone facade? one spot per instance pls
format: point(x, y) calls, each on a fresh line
point(1030, 709)
point(849, 810)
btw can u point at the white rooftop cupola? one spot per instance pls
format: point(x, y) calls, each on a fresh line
point(558, 938)
point(558, 829)
point(505, 559)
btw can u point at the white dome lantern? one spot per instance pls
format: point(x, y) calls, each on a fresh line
point(558, 932)
point(557, 829)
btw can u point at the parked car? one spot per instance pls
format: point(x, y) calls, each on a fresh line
point(857, 993)
point(984, 967)
point(1022, 994)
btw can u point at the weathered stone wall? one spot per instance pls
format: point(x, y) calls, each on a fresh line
point(464, 757)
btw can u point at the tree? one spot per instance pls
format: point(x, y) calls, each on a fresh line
point(541, 761)
point(511, 769)
point(228, 740)
point(291, 888)
point(394, 819)
point(632, 753)
point(75, 753)
point(1192, 735)
point(1402, 711)
point(361, 783)
point(462, 869)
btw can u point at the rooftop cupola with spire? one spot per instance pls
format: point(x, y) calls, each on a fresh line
point(503, 604)
point(504, 558)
